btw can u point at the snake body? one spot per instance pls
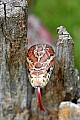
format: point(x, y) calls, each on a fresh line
point(40, 62)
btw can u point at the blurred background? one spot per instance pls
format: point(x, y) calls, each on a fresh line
point(53, 13)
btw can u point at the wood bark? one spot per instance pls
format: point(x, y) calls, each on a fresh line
point(65, 59)
point(13, 44)
point(64, 82)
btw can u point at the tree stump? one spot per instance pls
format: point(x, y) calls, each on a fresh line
point(64, 82)
point(13, 78)
point(15, 89)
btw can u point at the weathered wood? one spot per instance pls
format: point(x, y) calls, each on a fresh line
point(65, 59)
point(13, 41)
point(69, 111)
point(15, 89)
point(64, 80)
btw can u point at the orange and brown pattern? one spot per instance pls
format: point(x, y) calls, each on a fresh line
point(40, 62)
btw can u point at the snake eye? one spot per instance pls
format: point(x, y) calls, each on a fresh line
point(48, 70)
point(28, 70)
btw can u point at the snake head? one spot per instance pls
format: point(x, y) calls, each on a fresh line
point(40, 62)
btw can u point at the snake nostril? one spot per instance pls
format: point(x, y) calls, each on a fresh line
point(43, 80)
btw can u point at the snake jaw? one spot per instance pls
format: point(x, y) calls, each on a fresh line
point(40, 99)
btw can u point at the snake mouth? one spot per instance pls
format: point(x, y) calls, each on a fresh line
point(39, 81)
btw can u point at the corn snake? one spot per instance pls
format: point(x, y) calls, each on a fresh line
point(40, 62)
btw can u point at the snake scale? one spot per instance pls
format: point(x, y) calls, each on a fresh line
point(40, 62)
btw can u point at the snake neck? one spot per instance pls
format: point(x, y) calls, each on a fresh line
point(40, 99)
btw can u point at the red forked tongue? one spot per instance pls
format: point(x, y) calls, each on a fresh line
point(40, 99)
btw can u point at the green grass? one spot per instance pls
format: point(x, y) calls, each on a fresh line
point(54, 13)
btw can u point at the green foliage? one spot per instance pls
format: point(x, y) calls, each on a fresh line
point(54, 13)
